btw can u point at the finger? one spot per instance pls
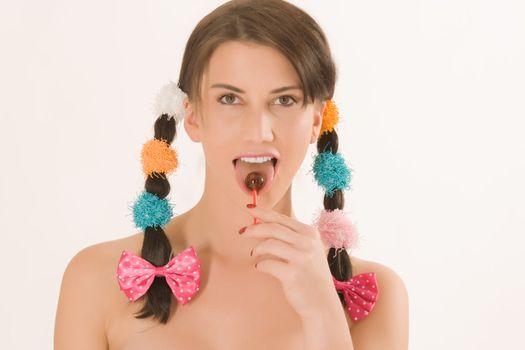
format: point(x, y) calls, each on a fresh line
point(277, 231)
point(277, 248)
point(276, 268)
point(269, 215)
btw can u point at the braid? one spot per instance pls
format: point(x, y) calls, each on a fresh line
point(156, 247)
point(329, 175)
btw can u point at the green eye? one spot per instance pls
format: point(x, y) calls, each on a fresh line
point(230, 96)
point(287, 98)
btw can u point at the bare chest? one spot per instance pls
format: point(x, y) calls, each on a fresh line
point(237, 312)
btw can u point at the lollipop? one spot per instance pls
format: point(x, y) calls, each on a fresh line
point(254, 181)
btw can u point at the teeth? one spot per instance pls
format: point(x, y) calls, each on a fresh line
point(255, 159)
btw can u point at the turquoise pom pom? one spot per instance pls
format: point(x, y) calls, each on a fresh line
point(331, 172)
point(150, 210)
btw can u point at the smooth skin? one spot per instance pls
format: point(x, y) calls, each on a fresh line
point(94, 314)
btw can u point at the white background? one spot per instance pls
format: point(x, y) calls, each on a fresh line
point(431, 96)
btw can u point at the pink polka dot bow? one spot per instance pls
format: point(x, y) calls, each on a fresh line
point(182, 273)
point(360, 294)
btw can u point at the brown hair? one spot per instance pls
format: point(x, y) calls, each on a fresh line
point(295, 34)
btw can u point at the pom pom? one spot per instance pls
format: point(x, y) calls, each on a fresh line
point(336, 229)
point(158, 156)
point(169, 101)
point(150, 210)
point(330, 117)
point(331, 172)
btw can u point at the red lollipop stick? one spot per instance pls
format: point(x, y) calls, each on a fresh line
point(254, 201)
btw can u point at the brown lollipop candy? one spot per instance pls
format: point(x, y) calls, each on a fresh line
point(254, 181)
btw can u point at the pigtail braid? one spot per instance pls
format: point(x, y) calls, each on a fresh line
point(156, 247)
point(332, 173)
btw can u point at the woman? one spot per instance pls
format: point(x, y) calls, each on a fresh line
point(259, 78)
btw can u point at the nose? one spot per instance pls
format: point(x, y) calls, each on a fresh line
point(258, 127)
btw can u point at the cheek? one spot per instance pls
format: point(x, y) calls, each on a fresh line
point(297, 145)
point(296, 141)
point(300, 131)
point(217, 129)
point(289, 115)
point(216, 138)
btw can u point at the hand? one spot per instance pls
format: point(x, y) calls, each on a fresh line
point(298, 261)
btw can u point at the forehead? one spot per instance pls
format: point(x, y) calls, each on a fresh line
point(249, 66)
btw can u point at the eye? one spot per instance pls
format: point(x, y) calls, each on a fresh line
point(285, 98)
point(229, 97)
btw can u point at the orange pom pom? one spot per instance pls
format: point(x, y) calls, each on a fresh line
point(158, 156)
point(330, 117)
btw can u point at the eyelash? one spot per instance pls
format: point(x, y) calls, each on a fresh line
point(231, 104)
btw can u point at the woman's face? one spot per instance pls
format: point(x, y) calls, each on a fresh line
point(249, 117)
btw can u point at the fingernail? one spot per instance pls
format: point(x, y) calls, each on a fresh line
point(250, 205)
point(242, 230)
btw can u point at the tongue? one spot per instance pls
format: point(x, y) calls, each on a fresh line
point(243, 169)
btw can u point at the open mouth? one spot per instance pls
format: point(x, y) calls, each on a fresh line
point(242, 171)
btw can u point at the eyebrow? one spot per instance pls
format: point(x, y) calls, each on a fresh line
point(236, 89)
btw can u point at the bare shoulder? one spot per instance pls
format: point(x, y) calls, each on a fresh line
point(384, 273)
point(88, 294)
point(386, 327)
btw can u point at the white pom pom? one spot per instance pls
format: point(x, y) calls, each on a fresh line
point(169, 101)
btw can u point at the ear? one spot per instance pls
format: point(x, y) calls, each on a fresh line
point(317, 122)
point(191, 121)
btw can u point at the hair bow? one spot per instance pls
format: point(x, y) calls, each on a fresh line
point(360, 294)
point(182, 273)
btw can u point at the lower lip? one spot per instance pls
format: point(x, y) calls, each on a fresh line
point(266, 186)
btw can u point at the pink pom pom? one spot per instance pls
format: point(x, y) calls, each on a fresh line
point(336, 229)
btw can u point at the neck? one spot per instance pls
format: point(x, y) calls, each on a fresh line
point(212, 225)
